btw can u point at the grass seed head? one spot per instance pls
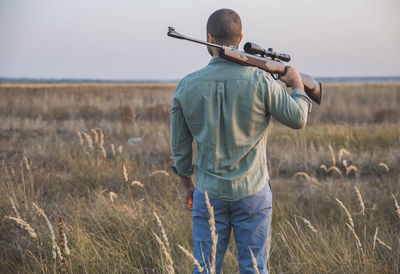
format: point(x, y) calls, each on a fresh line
point(355, 236)
point(396, 205)
point(190, 255)
point(137, 183)
point(214, 236)
point(343, 152)
point(164, 235)
point(24, 225)
point(14, 208)
point(375, 236)
point(101, 137)
point(350, 169)
point(346, 211)
point(113, 149)
point(81, 142)
point(125, 173)
point(384, 166)
point(50, 227)
point(255, 267)
point(88, 139)
point(360, 200)
point(384, 244)
point(336, 169)
point(309, 225)
point(163, 172)
point(332, 155)
point(113, 196)
point(170, 263)
point(95, 135)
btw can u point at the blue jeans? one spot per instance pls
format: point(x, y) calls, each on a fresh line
point(250, 218)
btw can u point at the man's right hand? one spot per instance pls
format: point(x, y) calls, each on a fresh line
point(292, 78)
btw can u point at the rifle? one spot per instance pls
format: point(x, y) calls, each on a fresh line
point(268, 60)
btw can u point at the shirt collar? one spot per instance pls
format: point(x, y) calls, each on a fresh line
point(217, 59)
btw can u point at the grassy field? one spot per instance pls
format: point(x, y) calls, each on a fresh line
point(98, 157)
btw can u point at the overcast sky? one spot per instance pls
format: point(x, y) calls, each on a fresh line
point(126, 39)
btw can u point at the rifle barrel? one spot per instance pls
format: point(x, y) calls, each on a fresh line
point(174, 34)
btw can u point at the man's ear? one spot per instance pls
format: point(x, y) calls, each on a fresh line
point(240, 40)
point(210, 38)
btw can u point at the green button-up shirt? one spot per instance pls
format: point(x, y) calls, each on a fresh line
point(226, 108)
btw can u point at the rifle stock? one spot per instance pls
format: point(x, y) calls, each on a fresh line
point(311, 87)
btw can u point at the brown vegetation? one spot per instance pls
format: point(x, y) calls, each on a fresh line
point(64, 152)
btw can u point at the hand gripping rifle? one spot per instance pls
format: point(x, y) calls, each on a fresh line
point(267, 60)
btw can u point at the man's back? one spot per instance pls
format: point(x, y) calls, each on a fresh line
point(226, 107)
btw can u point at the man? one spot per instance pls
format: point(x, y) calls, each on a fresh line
point(226, 109)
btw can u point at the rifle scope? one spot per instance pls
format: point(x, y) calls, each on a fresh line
point(252, 48)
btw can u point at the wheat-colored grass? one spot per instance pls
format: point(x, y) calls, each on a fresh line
point(113, 149)
point(214, 236)
point(113, 196)
point(101, 137)
point(351, 228)
point(374, 239)
point(24, 225)
point(332, 155)
point(384, 166)
point(346, 211)
point(360, 200)
point(343, 152)
point(308, 224)
point(164, 235)
point(396, 205)
point(64, 250)
point(14, 208)
point(50, 227)
point(190, 255)
point(255, 267)
point(137, 183)
point(88, 139)
point(350, 169)
point(112, 238)
point(307, 177)
point(170, 263)
point(156, 172)
point(103, 150)
point(81, 142)
point(27, 165)
point(120, 149)
point(334, 168)
point(125, 173)
point(95, 136)
point(384, 244)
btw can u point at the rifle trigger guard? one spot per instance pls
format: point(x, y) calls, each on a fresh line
point(276, 76)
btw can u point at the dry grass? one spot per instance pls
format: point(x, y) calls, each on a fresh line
point(50, 156)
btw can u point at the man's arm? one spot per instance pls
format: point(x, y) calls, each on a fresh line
point(181, 148)
point(290, 110)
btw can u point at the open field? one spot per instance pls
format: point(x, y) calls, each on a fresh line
point(350, 151)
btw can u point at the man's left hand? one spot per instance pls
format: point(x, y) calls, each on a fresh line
point(188, 189)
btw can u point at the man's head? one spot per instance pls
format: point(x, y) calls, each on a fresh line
point(225, 27)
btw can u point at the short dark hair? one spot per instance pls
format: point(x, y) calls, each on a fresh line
point(225, 26)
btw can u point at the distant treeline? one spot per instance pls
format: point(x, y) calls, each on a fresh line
point(374, 79)
point(77, 81)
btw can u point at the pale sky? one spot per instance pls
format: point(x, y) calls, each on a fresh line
point(126, 39)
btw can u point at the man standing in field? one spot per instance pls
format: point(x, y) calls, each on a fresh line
point(226, 109)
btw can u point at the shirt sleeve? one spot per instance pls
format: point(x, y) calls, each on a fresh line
point(181, 141)
point(290, 110)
